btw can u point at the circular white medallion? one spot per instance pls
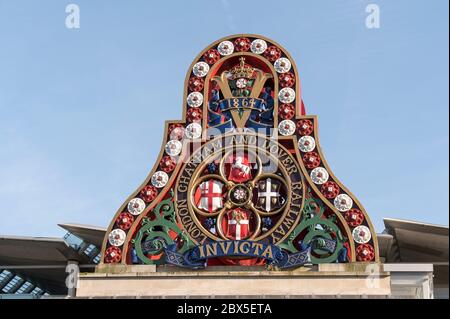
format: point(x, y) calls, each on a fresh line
point(361, 234)
point(200, 69)
point(286, 127)
point(136, 206)
point(241, 83)
point(173, 147)
point(286, 95)
point(282, 65)
point(225, 48)
point(195, 99)
point(193, 131)
point(306, 143)
point(343, 202)
point(319, 175)
point(160, 179)
point(117, 237)
point(258, 46)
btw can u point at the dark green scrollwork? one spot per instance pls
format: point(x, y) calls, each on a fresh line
point(153, 237)
point(318, 233)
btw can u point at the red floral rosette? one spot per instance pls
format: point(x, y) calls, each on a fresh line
point(365, 252)
point(211, 56)
point(196, 84)
point(167, 164)
point(354, 217)
point(330, 190)
point(286, 80)
point(194, 114)
point(176, 131)
point(125, 220)
point(149, 193)
point(242, 44)
point(311, 160)
point(286, 111)
point(305, 127)
point(113, 255)
point(272, 53)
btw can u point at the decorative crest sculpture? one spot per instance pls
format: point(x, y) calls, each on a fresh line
point(241, 180)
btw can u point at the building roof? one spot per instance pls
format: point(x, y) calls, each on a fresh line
point(418, 242)
point(18, 250)
point(90, 234)
point(42, 260)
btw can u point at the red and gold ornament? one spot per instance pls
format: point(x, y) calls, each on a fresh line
point(125, 220)
point(211, 56)
point(354, 217)
point(149, 193)
point(365, 252)
point(286, 79)
point(194, 115)
point(286, 111)
point(305, 127)
point(242, 44)
point(311, 160)
point(176, 131)
point(113, 255)
point(272, 53)
point(330, 190)
point(167, 164)
point(196, 84)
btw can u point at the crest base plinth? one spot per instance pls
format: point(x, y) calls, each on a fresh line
point(329, 280)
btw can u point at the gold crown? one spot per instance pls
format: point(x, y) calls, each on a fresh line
point(242, 70)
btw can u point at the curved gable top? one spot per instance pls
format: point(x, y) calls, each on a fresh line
point(239, 85)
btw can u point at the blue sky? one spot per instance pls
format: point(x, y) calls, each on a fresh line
point(82, 111)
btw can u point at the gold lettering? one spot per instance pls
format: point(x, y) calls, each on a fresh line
point(297, 185)
point(246, 249)
point(274, 237)
point(288, 222)
point(236, 247)
point(211, 249)
point(202, 252)
point(257, 247)
point(185, 181)
point(268, 252)
point(252, 102)
point(225, 246)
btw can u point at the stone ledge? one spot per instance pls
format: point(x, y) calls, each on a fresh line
point(152, 271)
point(210, 285)
point(235, 274)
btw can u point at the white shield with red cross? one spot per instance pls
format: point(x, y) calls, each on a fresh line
point(236, 224)
point(209, 195)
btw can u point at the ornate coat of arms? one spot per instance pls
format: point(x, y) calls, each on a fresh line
point(210, 197)
point(240, 170)
point(269, 197)
point(242, 176)
point(237, 224)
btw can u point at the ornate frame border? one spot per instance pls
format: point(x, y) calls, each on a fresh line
point(299, 115)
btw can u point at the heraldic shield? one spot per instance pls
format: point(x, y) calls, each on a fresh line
point(241, 179)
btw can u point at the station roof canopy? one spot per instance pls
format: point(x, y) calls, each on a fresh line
point(39, 259)
point(42, 259)
point(90, 234)
point(418, 242)
point(415, 242)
